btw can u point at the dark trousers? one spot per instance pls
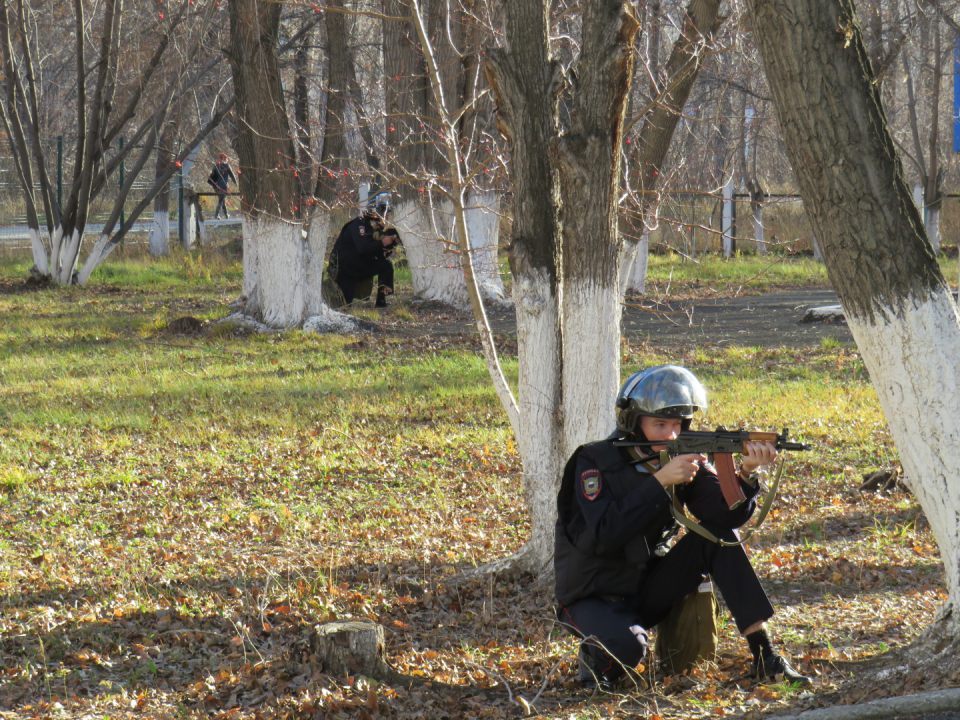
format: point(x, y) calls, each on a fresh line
point(666, 581)
point(347, 282)
point(221, 204)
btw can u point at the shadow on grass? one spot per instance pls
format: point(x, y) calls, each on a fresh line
point(254, 653)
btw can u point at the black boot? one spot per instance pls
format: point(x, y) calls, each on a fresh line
point(590, 679)
point(775, 667)
point(768, 664)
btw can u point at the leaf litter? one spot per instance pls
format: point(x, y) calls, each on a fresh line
point(156, 576)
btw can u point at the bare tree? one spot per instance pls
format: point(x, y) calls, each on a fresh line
point(284, 233)
point(160, 234)
point(120, 101)
point(274, 252)
point(669, 92)
point(565, 245)
point(416, 164)
point(925, 73)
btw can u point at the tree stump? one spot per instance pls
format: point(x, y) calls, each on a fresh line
point(187, 325)
point(353, 648)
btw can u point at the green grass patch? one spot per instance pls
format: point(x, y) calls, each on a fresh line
point(757, 272)
point(748, 272)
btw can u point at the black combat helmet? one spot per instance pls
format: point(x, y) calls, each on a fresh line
point(664, 391)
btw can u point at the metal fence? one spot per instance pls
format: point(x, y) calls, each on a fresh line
point(60, 168)
point(695, 223)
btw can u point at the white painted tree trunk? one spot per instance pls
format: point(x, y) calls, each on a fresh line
point(318, 232)
point(483, 221)
point(933, 227)
point(94, 258)
point(915, 368)
point(758, 238)
point(39, 251)
point(250, 261)
point(160, 234)
point(633, 265)
point(431, 249)
point(591, 360)
point(68, 259)
point(56, 249)
point(283, 262)
point(538, 398)
point(189, 226)
point(280, 272)
point(727, 218)
point(430, 243)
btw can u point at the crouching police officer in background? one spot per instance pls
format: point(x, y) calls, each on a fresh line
point(362, 252)
point(616, 573)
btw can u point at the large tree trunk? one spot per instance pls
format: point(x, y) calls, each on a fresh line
point(268, 186)
point(483, 219)
point(588, 159)
point(425, 217)
point(526, 82)
point(332, 187)
point(430, 242)
point(301, 116)
point(877, 255)
point(565, 265)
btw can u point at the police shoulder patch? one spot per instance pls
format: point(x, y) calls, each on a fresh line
point(590, 483)
point(362, 230)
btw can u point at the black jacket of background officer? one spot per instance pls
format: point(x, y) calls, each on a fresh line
point(359, 249)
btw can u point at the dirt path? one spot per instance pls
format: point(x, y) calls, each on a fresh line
point(769, 320)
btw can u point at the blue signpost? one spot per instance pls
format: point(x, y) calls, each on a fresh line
point(956, 93)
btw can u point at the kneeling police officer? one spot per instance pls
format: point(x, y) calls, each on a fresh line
point(362, 252)
point(618, 571)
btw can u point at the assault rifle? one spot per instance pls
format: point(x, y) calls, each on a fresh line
point(722, 444)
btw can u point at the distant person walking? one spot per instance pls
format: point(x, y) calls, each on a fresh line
point(220, 178)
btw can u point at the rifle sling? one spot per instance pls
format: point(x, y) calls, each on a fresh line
point(699, 529)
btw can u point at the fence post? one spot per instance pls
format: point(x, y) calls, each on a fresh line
point(726, 226)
